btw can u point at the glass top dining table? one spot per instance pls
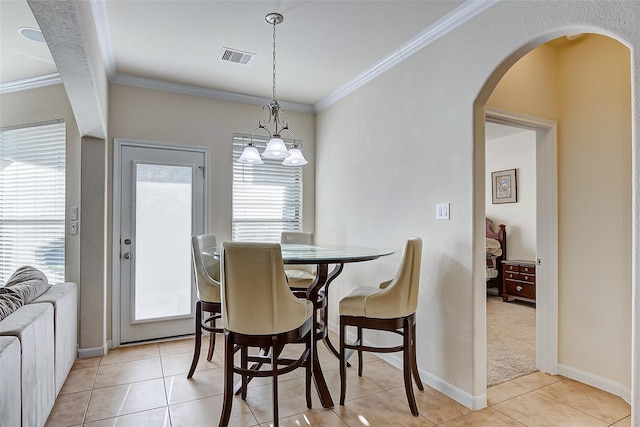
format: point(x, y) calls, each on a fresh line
point(331, 254)
point(318, 292)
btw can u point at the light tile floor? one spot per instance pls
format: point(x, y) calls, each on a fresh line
point(146, 385)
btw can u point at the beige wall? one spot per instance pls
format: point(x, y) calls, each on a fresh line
point(594, 192)
point(518, 152)
point(149, 115)
point(531, 85)
point(382, 171)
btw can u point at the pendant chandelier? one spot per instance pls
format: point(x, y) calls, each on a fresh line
point(276, 148)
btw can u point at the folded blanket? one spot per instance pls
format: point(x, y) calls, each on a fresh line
point(29, 283)
point(493, 247)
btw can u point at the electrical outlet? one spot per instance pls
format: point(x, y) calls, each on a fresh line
point(73, 227)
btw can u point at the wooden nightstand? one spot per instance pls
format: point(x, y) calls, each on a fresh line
point(519, 280)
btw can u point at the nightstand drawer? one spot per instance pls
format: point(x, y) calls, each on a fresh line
point(511, 267)
point(531, 269)
point(530, 278)
point(508, 275)
point(516, 289)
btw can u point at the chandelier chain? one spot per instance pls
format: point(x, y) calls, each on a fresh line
point(274, 60)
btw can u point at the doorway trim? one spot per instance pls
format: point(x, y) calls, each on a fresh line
point(118, 144)
point(547, 230)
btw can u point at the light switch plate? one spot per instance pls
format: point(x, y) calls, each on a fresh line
point(442, 211)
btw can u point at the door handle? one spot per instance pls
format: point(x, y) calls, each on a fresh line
point(126, 255)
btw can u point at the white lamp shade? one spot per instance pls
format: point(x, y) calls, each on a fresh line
point(295, 159)
point(250, 155)
point(275, 149)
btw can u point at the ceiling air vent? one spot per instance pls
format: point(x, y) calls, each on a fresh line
point(236, 56)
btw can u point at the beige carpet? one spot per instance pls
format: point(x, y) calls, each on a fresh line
point(511, 339)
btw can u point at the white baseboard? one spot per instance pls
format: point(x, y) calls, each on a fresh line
point(596, 381)
point(85, 353)
point(451, 391)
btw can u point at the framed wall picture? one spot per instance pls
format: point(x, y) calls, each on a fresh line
point(504, 186)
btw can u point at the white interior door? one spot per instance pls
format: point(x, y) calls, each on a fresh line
point(162, 204)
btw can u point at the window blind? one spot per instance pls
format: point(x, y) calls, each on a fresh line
point(267, 198)
point(32, 199)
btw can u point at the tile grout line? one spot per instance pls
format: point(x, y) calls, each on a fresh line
point(164, 386)
point(575, 409)
point(93, 385)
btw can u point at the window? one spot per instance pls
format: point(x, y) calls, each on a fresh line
point(32, 199)
point(267, 198)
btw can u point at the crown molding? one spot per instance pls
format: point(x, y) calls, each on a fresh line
point(145, 83)
point(442, 26)
point(31, 83)
point(100, 18)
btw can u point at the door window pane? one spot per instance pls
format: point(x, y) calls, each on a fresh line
point(163, 241)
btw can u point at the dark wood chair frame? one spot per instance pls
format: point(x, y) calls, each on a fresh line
point(319, 304)
point(235, 341)
point(405, 326)
point(209, 325)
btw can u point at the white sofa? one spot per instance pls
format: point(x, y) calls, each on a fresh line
point(38, 346)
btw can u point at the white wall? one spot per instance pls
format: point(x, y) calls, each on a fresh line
point(424, 149)
point(517, 151)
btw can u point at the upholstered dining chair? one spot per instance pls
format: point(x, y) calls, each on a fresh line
point(259, 310)
point(207, 273)
point(300, 277)
point(390, 307)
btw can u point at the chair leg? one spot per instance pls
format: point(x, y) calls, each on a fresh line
point(416, 374)
point(309, 365)
point(227, 400)
point(196, 350)
point(360, 351)
point(407, 367)
point(343, 360)
point(274, 383)
point(212, 341)
point(244, 353)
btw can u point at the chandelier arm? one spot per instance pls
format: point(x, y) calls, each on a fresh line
point(293, 138)
point(263, 123)
point(257, 130)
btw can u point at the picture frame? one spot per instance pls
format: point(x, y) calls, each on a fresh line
point(504, 186)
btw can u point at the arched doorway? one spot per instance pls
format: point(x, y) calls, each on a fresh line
point(590, 96)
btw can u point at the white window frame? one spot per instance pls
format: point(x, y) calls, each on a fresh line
point(267, 198)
